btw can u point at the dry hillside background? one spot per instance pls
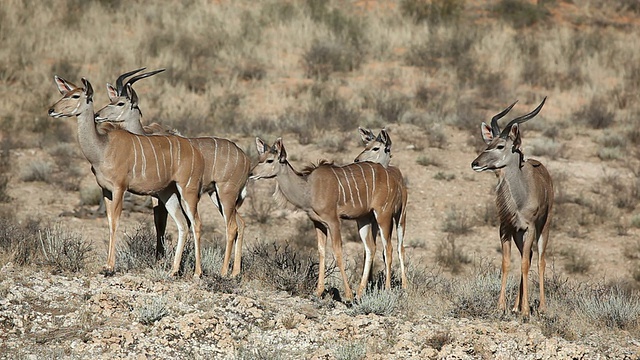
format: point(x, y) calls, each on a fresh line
point(311, 72)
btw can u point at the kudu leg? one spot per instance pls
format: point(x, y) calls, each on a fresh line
point(385, 225)
point(171, 203)
point(227, 208)
point(160, 222)
point(527, 255)
point(336, 242)
point(322, 248)
point(366, 235)
point(506, 262)
point(400, 226)
point(190, 200)
point(542, 247)
point(114, 210)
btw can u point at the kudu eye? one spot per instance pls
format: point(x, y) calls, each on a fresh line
point(269, 161)
point(120, 103)
point(75, 96)
point(500, 147)
point(376, 148)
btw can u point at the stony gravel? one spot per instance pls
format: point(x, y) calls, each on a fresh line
point(61, 316)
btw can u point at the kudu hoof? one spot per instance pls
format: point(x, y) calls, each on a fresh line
point(108, 272)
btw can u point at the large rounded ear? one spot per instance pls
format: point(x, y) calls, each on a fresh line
point(261, 146)
point(88, 89)
point(278, 146)
point(487, 133)
point(514, 135)
point(366, 135)
point(63, 85)
point(112, 92)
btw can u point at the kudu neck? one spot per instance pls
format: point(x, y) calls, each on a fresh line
point(91, 142)
point(293, 186)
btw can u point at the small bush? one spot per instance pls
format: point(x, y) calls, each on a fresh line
point(521, 13)
point(351, 351)
point(139, 249)
point(432, 12)
point(612, 307)
point(596, 114)
point(262, 208)
point(390, 107)
point(456, 221)
point(38, 170)
point(20, 242)
point(477, 296)
point(282, 269)
point(439, 340)
point(440, 175)
point(64, 250)
point(90, 196)
point(577, 262)
point(378, 301)
point(152, 310)
point(449, 255)
point(427, 161)
point(326, 57)
point(547, 147)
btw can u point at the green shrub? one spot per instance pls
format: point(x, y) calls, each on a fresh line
point(64, 250)
point(378, 301)
point(152, 310)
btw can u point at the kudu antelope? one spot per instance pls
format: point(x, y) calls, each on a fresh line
point(524, 197)
point(378, 150)
point(226, 166)
point(327, 193)
point(122, 161)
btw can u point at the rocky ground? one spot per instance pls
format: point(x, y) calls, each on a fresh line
point(68, 317)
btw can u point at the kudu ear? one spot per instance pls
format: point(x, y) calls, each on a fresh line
point(133, 96)
point(386, 139)
point(487, 133)
point(278, 146)
point(88, 90)
point(261, 146)
point(514, 135)
point(366, 135)
point(111, 92)
point(63, 85)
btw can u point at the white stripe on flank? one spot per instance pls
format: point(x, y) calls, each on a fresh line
point(193, 158)
point(373, 177)
point(155, 155)
point(227, 161)
point(135, 156)
point(353, 202)
point(355, 182)
point(215, 156)
point(235, 164)
point(366, 183)
point(170, 152)
point(344, 194)
point(179, 151)
point(164, 162)
point(386, 202)
point(144, 158)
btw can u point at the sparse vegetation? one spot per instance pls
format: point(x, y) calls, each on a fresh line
point(313, 71)
point(378, 301)
point(152, 310)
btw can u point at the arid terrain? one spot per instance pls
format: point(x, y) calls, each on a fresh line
point(430, 72)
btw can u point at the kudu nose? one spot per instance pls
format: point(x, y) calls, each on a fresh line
point(50, 111)
point(474, 164)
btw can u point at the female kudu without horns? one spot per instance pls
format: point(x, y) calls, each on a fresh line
point(359, 191)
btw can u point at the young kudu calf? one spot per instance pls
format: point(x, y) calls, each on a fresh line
point(378, 150)
point(121, 161)
point(524, 200)
point(226, 166)
point(327, 193)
